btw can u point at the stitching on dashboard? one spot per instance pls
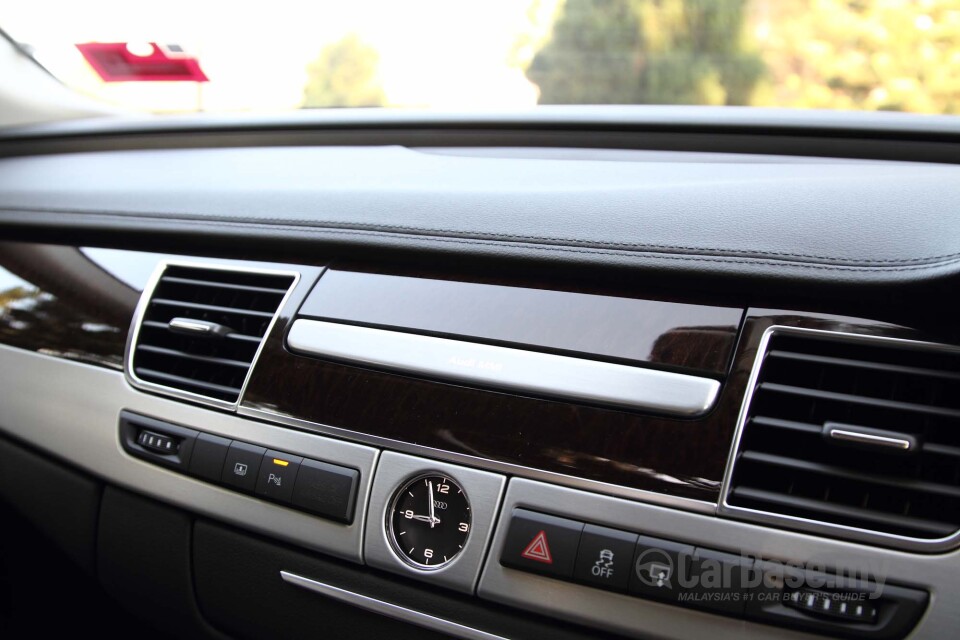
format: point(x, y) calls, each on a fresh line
point(333, 224)
point(550, 248)
point(275, 222)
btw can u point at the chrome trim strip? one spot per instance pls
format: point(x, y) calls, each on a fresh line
point(388, 609)
point(141, 309)
point(820, 527)
point(643, 495)
point(869, 439)
point(522, 371)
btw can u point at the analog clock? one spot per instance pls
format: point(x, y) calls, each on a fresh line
point(429, 521)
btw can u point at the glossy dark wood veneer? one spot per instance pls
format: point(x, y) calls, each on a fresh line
point(683, 458)
point(57, 301)
point(601, 327)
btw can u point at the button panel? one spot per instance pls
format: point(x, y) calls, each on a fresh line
point(603, 558)
point(696, 577)
point(321, 488)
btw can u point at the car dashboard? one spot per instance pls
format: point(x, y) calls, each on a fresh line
point(574, 375)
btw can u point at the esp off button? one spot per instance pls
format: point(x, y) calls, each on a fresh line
point(605, 558)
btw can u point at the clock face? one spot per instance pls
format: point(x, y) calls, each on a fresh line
point(429, 521)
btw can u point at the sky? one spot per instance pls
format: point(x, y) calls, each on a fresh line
point(443, 54)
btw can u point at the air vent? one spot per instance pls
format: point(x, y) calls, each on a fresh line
point(861, 433)
point(201, 329)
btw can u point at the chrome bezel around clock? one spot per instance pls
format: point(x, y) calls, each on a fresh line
point(389, 514)
point(485, 490)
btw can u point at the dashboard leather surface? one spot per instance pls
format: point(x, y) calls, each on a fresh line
point(841, 221)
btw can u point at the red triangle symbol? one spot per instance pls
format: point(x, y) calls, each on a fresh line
point(538, 549)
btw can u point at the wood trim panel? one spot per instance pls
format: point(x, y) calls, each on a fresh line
point(57, 301)
point(600, 327)
point(684, 458)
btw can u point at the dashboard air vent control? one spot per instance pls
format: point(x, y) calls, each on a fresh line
point(201, 328)
point(855, 434)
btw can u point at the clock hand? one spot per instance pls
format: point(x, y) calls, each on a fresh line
point(432, 521)
point(433, 518)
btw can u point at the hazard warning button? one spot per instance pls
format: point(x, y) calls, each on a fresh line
point(542, 544)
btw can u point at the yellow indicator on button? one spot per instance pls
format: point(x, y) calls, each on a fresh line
point(281, 463)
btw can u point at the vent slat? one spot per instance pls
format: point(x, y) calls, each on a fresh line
point(846, 474)
point(190, 382)
point(856, 399)
point(941, 449)
point(173, 353)
point(930, 527)
point(179, 304)
point(865, 364)
point(212, 366)
point(791, 425)
point(223, 285)
point(783, 465)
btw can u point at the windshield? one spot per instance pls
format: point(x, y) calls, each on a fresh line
point(178, 56)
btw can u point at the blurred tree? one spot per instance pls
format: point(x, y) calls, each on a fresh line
point(344, 75)
point(861, 54)
point(539, 24)
point(647, 52)
point(593, 55)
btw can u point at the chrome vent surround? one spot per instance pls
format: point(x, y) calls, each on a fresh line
point(892, 472)
point(166, 351)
